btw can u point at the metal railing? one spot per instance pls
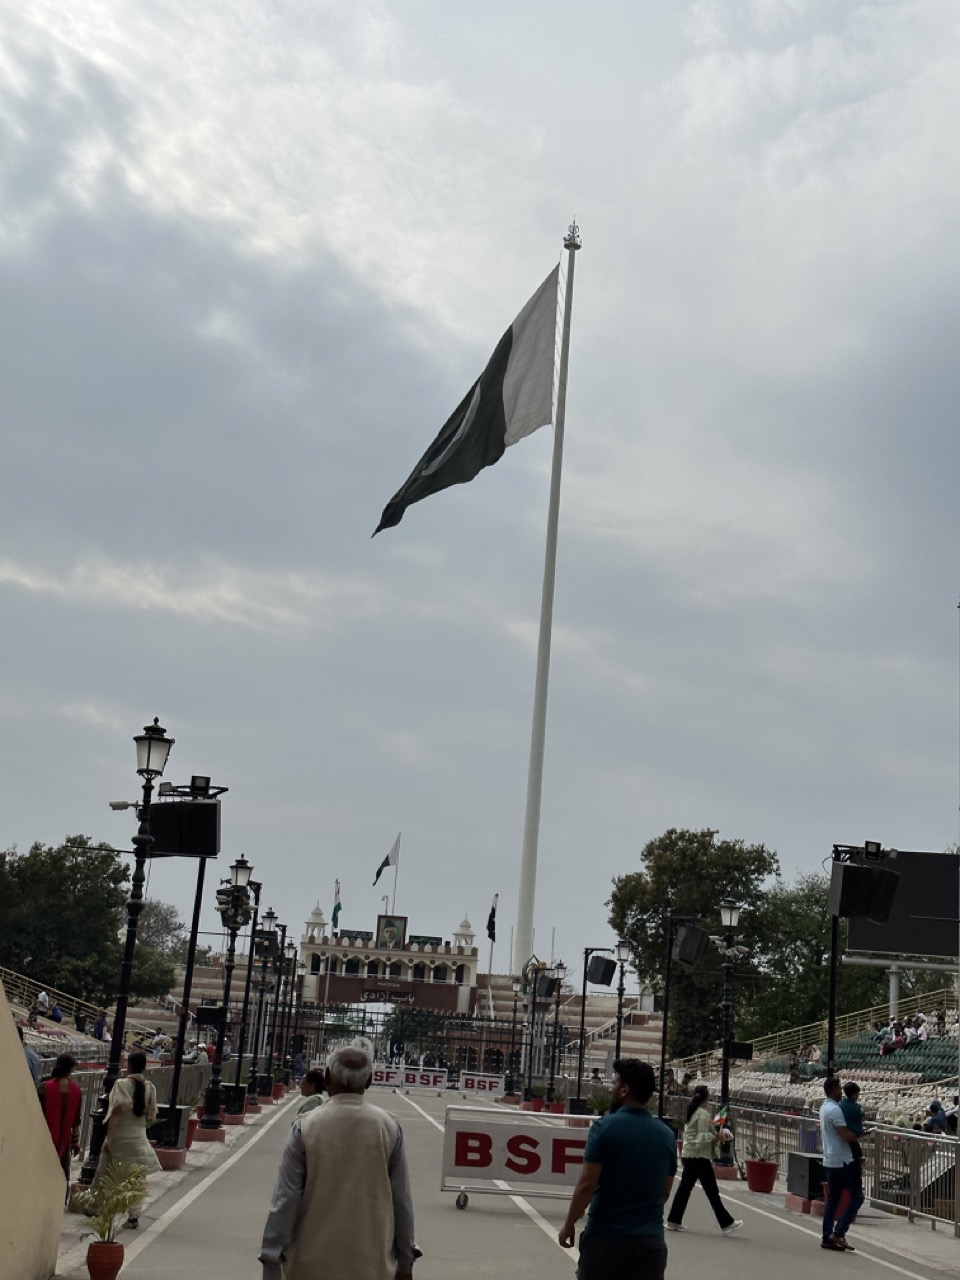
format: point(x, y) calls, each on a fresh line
point(904, 1170)
point(24, 991)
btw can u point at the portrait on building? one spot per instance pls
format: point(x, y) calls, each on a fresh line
point(391, 931)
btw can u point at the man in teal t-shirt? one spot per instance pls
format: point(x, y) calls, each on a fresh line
point(628, 1169)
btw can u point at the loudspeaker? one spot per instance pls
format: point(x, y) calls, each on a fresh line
point(547, 987)
point(690, 944)
point(804, 1175)
point(601, 971)
point(857, 889)
point(185, 828)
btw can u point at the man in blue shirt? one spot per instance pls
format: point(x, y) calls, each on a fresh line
point(628, 1168)
point(841, 1167)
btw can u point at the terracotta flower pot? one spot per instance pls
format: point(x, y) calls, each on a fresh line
point(279, 1091)
point(761, 1175)
point(104, 1260)
point(192, 1124)
point(537, 1104)
point(557, 1108)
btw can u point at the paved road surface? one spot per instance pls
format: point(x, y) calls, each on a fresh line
point(210, 1224)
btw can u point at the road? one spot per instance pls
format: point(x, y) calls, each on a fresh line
point(210, 1224)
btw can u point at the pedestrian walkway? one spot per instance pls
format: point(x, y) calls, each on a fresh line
point(208, 1219)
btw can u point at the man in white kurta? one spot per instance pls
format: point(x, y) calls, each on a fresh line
point(341, 1207)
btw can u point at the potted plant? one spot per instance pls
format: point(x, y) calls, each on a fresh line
point(559, 1104)
point(761, 1165)
point(116, 1190)
point(279, 1088)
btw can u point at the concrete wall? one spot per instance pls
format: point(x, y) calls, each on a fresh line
point(31, 1181)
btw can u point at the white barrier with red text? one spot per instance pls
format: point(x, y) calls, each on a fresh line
point(387, 1077)
point(495, 1151)
point(486, 1086)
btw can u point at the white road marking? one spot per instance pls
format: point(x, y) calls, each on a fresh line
point(185, 1201)
point(796, 1226)
point(545, 1226)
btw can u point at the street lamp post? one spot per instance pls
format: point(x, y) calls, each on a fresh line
point(729, 919)
point(559, 972)
point(266, 942)
point(531, 975)
point(623, 955)
point(511, 1082)
point(153, 748)
point(233, 904)
point(255, 886)
point(577, 1106)
point(277, 970)
point(290, 973)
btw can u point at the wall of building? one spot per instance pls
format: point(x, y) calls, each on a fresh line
point(31, 1181)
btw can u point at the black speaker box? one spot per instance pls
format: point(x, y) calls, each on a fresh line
point(805, 1175)
point(547, 987)
point(690, 944)
point(858, 889)
point(601, 971)
point(185, 828)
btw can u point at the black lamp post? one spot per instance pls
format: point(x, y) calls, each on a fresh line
point(511, 1085)
point(623, 955)
point(559, 973)
point(255, 886)
point(729, 919)
point(278, 958)
point(153, 748)
point(530, 975)
point(265, 941)
point(577, 1105)
point(289, 976)
point(233, 904)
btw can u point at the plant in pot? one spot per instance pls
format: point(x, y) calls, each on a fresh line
point(599, 1103)
point(559, 1104)
point(761, 1165)
point(279, 1088)
point(116, 1190)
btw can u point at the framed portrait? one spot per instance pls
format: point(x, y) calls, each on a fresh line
point(391, 931)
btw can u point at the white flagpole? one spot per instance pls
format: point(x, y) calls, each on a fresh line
point(523, 943)
point(396, 877)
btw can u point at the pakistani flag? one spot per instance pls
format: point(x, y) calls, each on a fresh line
point(335, 914)
point(492, 920)
point(512, 398)
point(391, 860)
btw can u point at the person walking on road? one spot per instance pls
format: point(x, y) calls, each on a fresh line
point(628, 1168)
point(701, 1142)
point(62, 1101)
point(341, 1205)
point(132, 1109)
point(841, 1167)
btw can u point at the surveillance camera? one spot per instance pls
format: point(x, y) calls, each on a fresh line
point(121, 804)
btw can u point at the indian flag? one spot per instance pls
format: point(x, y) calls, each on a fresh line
point(335, 914)
point(391, 860)
point(512, 398)
point(721, 1116)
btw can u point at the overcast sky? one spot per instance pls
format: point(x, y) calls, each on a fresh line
point(251, 257)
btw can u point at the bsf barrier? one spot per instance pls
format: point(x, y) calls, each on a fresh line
point(386, 1076)
point(487, 1151)
point(481, 1086)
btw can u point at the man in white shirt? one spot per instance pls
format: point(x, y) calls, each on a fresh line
point(842, 1170)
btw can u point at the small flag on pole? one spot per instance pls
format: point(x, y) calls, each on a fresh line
point(335, 914)
point(492, 920)
point(512, 398)
point(391, 860)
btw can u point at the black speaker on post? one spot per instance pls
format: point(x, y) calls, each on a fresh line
point(690, 944)
point(185, 828)
point(547, 987)
point(601, 970)
point(859, 889)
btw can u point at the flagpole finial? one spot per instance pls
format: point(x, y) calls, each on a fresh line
point(572, 239)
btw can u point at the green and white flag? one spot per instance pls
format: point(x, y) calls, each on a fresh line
point(335, 914)
point(512, 398)
point(391, 860)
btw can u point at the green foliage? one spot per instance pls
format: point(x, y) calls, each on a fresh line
point(59, 912)
point(116, 1190)
point(160, 927)
point(178, 953)
point(599, 1103)
point(153, 974)
point(689, 873)
point(763, 1150)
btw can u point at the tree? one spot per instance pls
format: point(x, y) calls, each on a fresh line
point(59, 908)
point(152, 976)
point(688, 873)
point(160, 927)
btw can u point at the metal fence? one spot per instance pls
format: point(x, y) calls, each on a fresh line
point(904, 1170)
point(193, 1080)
